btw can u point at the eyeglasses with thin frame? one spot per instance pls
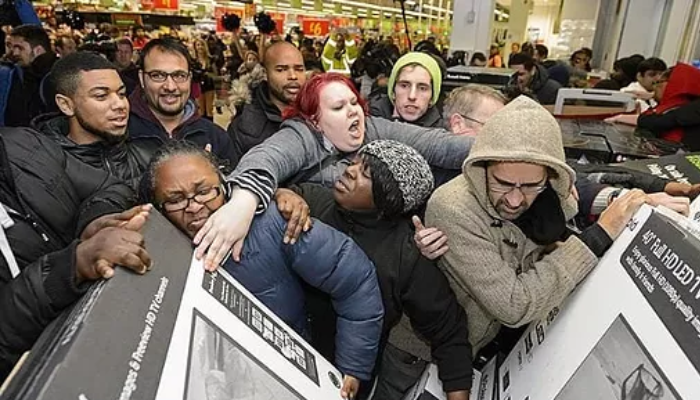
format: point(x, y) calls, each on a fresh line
point(162, 76)
point(527, 189)
point(472, 119)
point(203, 196)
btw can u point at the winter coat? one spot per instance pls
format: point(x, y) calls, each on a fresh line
point(144, 126)
point(677, 116)
point(299, 154)
point(259, 120)
point(542, 87)
point(410, 283)
point(328, 260)
point(53, 197)
point(381, 106)
point(340, 65)
point(499, 274)
point(29, 94)
point(126, 160)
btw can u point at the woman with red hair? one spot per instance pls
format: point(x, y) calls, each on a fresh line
point(323, 129)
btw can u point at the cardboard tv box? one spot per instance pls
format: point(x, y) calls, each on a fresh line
point(630, 331)
point(176, 332)
point(429, 386)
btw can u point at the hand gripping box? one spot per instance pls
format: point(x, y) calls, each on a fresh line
point(630, 331)
point(177, 332)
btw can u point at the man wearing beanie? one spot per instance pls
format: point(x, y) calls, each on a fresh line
point(512, 258)
point(412, 92)
point(372, 203)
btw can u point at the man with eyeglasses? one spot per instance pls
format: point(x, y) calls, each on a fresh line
point(185, 185)
point(512, 257)
point(468, 107)
point(162, 110)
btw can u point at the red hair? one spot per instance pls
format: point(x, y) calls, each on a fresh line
point(306, 104)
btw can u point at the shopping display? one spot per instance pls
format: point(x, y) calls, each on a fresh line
point(177, 332)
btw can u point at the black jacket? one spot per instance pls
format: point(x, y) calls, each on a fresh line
point(381, 106)
point(409, 283)
point(28, 98)
point(685, 118)
point(126, 160)
point(54, 196)
point(258, 121)
point(544, 89)
point(144, 126)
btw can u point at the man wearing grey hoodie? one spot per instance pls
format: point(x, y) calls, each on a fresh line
point(512, 258)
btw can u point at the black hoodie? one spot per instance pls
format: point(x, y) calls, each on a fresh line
point(258, 121)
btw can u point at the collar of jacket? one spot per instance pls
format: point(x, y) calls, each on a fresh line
point(430, 119)
point(42, 64)
point(140, 108)
point(262, 96)
point(539, 79)
point(370, 219)
point(56, 126)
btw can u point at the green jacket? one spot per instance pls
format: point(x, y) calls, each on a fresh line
point(340, 65)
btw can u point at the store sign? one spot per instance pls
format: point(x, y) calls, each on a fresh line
point(166, 4)
point(279, 19)
point(315, 27)
point(126, 20)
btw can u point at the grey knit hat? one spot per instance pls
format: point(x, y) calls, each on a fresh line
point(408, 169)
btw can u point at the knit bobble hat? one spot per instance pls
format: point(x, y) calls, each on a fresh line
point(401, 178)
point(424, 60)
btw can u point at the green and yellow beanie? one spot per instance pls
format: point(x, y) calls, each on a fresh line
point(424, 60)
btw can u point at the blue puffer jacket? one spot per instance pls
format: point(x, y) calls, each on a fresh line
point(328, 260)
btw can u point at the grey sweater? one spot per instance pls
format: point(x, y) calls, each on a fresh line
point(297, 152)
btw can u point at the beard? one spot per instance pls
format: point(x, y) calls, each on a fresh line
point(107, 137)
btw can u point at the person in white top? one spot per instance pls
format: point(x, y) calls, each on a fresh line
point(648, 73)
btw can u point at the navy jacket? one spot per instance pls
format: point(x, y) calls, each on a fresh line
point(144, 126)
point(328, 260)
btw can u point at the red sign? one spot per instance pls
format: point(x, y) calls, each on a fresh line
point(315, 27)
point(279, 19)
point(166, 4)
point(221, 11)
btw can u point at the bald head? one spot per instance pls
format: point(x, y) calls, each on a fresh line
point(284, 65)
point(281, 51)
point(468, 107)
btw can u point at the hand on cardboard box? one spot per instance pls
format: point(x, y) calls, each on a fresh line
point(96, 257)
point(616, 216)
point(350, 387)
point(131, 219)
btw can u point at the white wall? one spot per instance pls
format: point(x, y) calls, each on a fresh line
point(543, 17)
point(640, 29)
point(476, 35)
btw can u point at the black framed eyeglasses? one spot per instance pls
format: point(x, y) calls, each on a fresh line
point(472, 119)
point(162, 76)
point(202, 197)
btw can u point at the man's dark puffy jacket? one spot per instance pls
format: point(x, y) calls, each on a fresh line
point(409, 282)
point(258, 121)
point(144, 126)
point(53, 196)
point(381, 106)
point(325, 259)
point(28, 97)
point(543, 88)
point(126, 160)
